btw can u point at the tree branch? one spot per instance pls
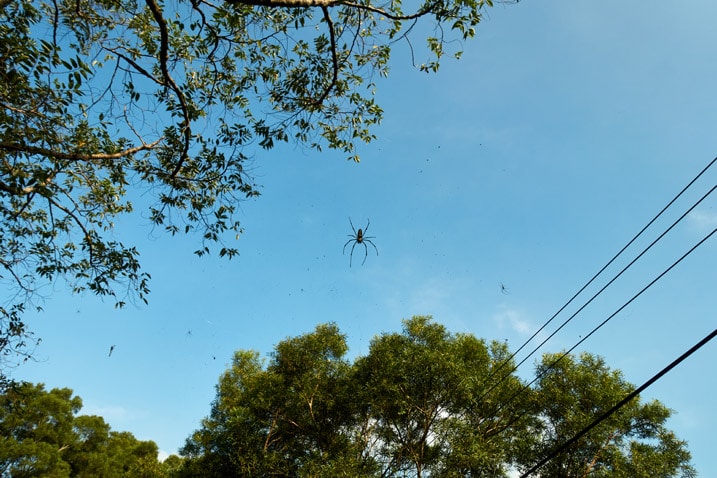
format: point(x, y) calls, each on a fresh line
point(595, 459)
point(20, 148)
point(334, 59)
point(85, 231)
point(136, 66)
point(391, 16)
point(286, 3)
point(18, 280)
point(163, 60)
point(332, 3)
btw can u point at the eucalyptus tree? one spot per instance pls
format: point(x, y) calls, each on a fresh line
point(42, 434)
point(634, 442)
point(291, 417)
point(434, 403)
point(35, 430)
point(424, 402)
point(100, 99)
point(415, 405)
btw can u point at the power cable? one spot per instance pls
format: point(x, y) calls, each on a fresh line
point(621, 272)
point(669, 204)
point(595, 329)
point(552, 365)
point(619, 405)
point(610, 282)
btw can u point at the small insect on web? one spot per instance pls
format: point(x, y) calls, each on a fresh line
point(359, 237)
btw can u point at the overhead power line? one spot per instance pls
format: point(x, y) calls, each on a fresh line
point(644, 251)
point(623, 306)
point(619, 253)
point(601, 324)
point(609, 283)
point(619, 405)
point(553, 364)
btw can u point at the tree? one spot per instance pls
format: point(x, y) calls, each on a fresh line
point(100, 99)
point(36, 428)
point(290, 419)
point(173, 466)
point(431, 412)
point(409, 408)
point(573, 391)
point(41, 435)
point(423, 402)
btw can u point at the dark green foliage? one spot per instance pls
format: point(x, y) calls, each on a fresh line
point(42, 435)
point(423, 390)
point(288, 419)
point(632, 443)
point(422, 403)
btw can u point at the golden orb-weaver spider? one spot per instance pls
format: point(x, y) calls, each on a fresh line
point(359, 237)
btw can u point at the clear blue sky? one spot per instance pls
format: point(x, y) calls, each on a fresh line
point(563, 129)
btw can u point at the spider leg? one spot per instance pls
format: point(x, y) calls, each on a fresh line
point(352, 227)
point(347, 243)
point(368, 223)
point(365, 240)
point(351, 256)
point(365, 255)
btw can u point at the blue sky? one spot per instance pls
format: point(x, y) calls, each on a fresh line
point(530, 162)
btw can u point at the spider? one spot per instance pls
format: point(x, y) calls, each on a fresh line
point(358, 238)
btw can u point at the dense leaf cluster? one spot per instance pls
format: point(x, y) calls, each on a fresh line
point(424, 403)
point(421, 403)
point(41, 434)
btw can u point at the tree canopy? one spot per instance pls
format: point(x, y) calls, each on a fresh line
point(41, 434)
point(100, 99)
point(424, 402)
point(633, 443)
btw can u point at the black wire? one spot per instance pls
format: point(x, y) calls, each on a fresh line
point(508, 360)
point(567, 352)
point(610, 282)
point(621, 272)
point(512, 356)
point(620, 404)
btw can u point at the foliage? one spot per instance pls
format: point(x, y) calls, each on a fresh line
point(288, 419)
point(104, 100)
point(42, 435)
point(632, 443)
point(424, 392)
point(423, 402)
point(406, 409)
